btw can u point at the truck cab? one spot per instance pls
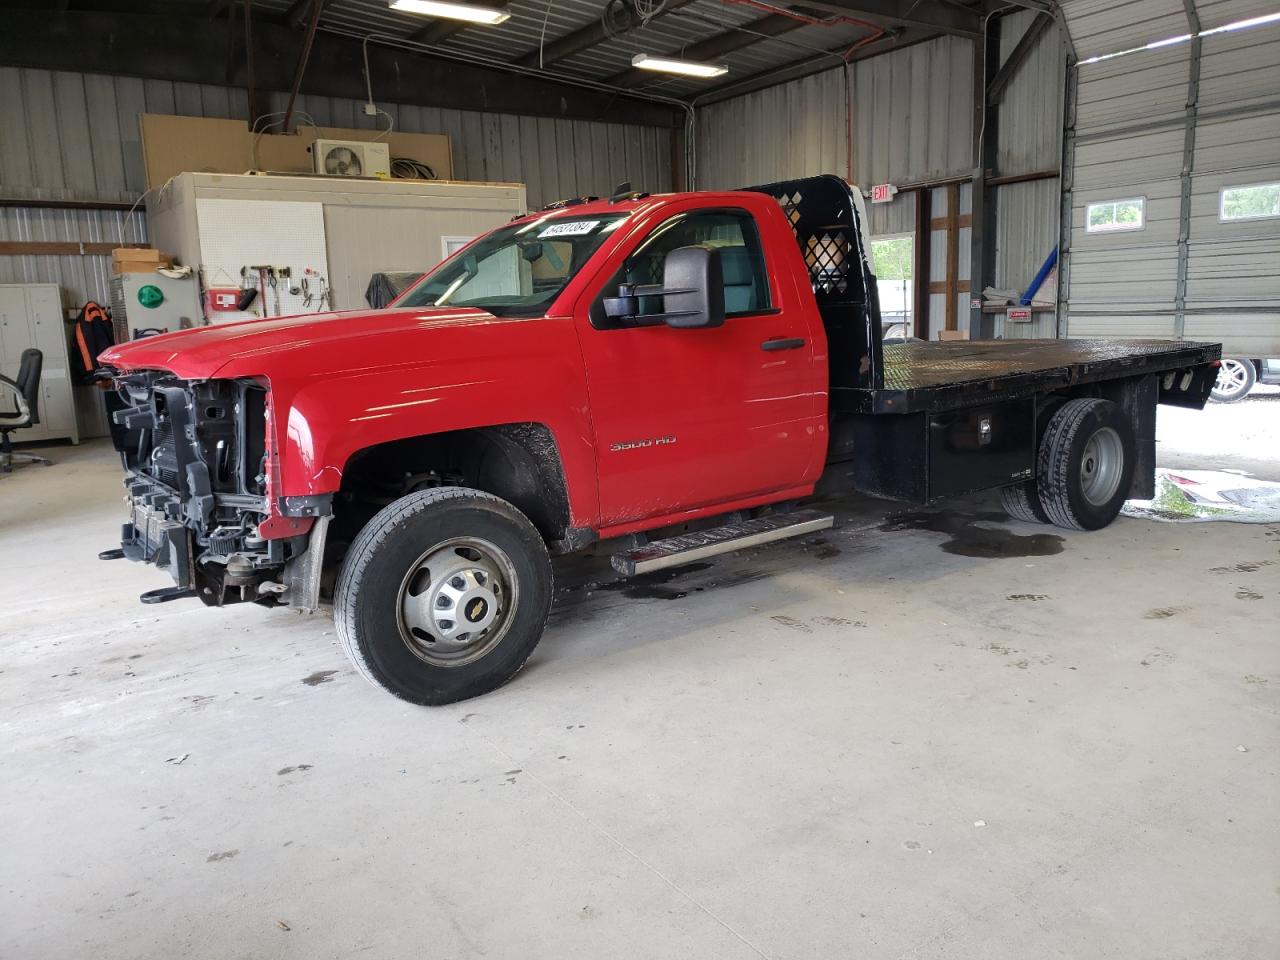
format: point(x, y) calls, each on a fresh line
point(595, 373)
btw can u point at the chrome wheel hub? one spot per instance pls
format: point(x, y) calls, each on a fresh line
point(1101, 466)
point(456, 601)
point(1231, 377)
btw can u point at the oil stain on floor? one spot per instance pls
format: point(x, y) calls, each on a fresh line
point(969, 539)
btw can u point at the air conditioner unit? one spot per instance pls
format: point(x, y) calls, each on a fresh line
point(351, 158)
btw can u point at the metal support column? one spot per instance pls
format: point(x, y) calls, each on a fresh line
point(1067, 181)
point(982, 232)
point(1188, 165)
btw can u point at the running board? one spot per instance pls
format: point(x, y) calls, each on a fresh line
point(689, 547)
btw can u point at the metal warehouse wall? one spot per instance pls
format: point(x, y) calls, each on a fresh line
point(73, 136)
point(912, 123)
point(1175, 128)
point(1030, 141)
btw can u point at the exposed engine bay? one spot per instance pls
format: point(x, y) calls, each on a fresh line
point(195, 457)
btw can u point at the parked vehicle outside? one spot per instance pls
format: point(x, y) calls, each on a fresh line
point(1239, 375)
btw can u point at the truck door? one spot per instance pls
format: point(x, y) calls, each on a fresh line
point(687, 418)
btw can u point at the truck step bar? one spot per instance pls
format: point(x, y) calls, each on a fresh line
point(689, 547)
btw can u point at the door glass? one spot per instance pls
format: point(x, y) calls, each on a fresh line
point(732, 232)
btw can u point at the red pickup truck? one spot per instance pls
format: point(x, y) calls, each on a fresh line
point(675, 374)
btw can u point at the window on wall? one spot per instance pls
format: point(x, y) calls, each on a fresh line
point(1111, 216)
point(1254, 202)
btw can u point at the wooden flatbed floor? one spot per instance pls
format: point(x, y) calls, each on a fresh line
point(944, 375)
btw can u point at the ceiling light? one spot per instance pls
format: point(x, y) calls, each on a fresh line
point(687, 68)
point(452, 11)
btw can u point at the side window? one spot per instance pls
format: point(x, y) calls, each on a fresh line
point(732, 232)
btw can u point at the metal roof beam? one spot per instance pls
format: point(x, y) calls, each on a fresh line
point(297, 15)
point(586, 37)
point(716, 46)
point(936, 15)
point(195, 50)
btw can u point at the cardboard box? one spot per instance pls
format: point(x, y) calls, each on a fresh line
point(953, 334)
point(137, 260)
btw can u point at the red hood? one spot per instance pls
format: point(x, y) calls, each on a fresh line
point(255, 346)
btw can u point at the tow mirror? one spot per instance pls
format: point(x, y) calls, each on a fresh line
point(692, 291)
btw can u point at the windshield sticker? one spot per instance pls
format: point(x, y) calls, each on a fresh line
point(574, 228)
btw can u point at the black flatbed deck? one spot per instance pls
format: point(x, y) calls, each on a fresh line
point(946, 375)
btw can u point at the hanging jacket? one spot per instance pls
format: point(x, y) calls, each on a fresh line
point(93, 334)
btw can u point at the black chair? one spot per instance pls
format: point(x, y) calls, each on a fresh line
point(26, 390)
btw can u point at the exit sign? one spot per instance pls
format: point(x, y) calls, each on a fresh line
point(883, 192)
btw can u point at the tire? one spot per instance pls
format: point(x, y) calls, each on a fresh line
point(1022, 502)
point(437, 551)
point(1085, 464)
point(1236, 378)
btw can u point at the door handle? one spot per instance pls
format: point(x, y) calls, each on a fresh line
point(783, 343)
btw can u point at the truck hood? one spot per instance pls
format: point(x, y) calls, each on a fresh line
point(257, 347)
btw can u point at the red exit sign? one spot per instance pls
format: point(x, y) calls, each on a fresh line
point(883, 192)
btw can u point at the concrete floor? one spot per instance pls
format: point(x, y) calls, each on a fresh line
point(871, 744)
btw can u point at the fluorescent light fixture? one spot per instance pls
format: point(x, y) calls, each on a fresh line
point(686, 68)
point(452, 11)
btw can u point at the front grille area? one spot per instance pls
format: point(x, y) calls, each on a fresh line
point(205, 442)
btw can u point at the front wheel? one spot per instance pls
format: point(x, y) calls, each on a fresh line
point(1235, 379)
point(1085, 464)
point(443, 595)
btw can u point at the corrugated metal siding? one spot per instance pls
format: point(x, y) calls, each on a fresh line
point(1131, 128)
point(73, 136)
point(1030, 136)
point(1030, 142)
point(1026, 232)
point(1115, 274)
point(912, 122)
point(1217, 13)
point(1233, 268)
point(80, 278)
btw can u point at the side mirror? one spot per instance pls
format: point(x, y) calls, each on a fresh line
point(692, 291)
point(693, 288)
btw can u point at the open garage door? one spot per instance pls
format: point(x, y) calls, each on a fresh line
point(1173, 174)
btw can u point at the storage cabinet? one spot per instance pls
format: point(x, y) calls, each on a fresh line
point(31, 316)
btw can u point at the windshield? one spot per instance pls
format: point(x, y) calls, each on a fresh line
point(516, 271)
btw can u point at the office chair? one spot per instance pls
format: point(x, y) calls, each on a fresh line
point(26, 390)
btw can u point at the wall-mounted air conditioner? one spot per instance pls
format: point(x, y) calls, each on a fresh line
point(351, 158)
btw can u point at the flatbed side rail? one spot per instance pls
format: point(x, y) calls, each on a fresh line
point(949, 375)
point(823, 213)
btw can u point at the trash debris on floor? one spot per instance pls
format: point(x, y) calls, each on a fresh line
point(1197, 495)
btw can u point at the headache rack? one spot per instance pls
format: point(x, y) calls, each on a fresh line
point(824, 217)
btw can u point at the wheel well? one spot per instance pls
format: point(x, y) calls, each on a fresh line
point(518, 462)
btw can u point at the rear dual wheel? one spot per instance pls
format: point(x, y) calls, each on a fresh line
point(1084, 468)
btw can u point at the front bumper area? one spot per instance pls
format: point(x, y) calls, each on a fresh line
point(153, 535)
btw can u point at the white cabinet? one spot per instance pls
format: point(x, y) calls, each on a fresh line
point(31, 316)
